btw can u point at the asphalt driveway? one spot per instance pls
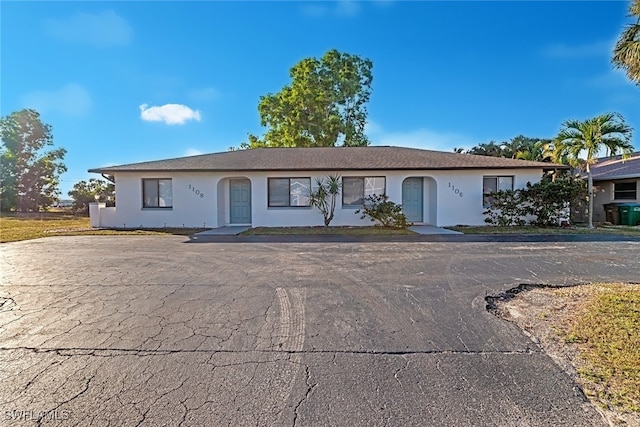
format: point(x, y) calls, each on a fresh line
point(156, 331)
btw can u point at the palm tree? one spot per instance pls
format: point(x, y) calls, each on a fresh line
point(626, 54)
point(608, 131)
point(537, 150)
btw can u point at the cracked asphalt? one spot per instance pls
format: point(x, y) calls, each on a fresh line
point(153, 330)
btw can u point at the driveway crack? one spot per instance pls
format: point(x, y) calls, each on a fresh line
point(310, 389)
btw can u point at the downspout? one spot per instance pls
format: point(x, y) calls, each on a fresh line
point(109, 178)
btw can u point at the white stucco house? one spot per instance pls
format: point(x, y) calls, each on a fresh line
point(269, 186)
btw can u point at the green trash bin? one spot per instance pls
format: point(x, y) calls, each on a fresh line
point(629, 213)
point(634, 214)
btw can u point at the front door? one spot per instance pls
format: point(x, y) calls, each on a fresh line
point(412, 199)
point(240, 201)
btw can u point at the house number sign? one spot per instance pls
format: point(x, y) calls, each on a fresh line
point(196, 191)
point(457, 191)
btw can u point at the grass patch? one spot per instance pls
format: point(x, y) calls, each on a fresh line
point(16, 227)
point(343, 231)
point(607, 332)
point(33, 226)
point(489, 229)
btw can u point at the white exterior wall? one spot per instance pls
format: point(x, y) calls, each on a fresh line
point(450, 198)
point(189, 209)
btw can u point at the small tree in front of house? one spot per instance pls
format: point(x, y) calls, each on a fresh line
point(324, 196)
point(379, 208)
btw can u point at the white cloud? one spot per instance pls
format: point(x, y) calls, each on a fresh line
point(192, 152)
point(419, 138)
point(171, 114)
point(564, 51)
point(104, 29)
point(70, 100)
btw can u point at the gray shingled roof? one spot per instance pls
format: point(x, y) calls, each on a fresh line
point(327, 158)
point(616, 168)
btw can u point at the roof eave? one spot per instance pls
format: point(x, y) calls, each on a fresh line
point(544, 167)
point(614, 177)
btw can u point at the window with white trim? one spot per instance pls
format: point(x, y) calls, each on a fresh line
point(157, 193)
point(356, 189)
point(289, 192)
point(492, 184)
point(625, 190)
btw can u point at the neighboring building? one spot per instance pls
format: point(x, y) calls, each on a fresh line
point(615, 180)
point(62, 203)
point(269, 186)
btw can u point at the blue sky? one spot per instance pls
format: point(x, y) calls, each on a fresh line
point(123, 82)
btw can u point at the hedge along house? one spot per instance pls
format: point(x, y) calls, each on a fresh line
point(270, 186)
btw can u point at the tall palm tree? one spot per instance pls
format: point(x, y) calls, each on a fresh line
point(576, 138)
point(626, 54)
point(538, 151)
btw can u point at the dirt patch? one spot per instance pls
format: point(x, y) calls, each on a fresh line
point(545, 313)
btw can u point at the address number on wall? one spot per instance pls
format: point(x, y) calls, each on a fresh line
point(456, 190)
point(196, 191)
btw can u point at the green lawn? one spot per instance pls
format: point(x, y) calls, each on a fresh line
point(15, 227)
point(33, 226)
point(606, 329)
point(490, 229)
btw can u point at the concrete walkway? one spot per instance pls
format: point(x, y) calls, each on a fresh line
point(224, 231)
point(431, 229)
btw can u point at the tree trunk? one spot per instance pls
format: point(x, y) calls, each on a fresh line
point(590, 195)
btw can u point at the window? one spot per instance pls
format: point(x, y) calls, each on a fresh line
point(156, 193)
point(492, 184)
point(355, 189)
point(289, 192)
point(624, 190)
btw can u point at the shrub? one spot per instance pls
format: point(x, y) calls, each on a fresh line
point(506, 208)
point(379, 208)
point(545, 203)
point(550, 201)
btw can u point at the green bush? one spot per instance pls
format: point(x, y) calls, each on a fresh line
point(548, 201)
point(506, 208)
point(544, 203)
point(388, 214)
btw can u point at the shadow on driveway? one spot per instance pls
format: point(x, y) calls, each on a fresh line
point(439, 238)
